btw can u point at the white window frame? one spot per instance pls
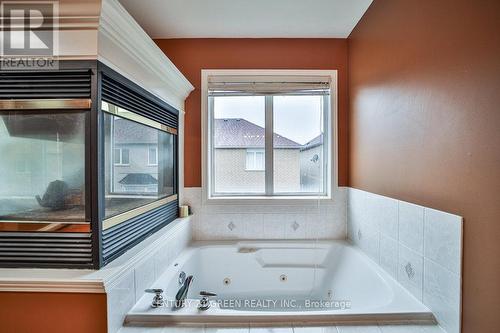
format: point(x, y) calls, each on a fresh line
point(121, 157)
point(254, 152)
point(149, 155)
point(331, 140)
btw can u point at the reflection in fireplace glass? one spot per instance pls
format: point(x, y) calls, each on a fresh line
point(42, 169)
point(139, 164)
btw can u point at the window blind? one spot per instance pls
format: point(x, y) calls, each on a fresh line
point(227, 85)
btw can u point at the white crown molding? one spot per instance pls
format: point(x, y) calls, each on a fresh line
point(124, 46)
point(104, 30)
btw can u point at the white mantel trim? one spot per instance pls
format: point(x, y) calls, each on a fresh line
point(63, 286)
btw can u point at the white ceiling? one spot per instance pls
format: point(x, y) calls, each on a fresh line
point(247, 18)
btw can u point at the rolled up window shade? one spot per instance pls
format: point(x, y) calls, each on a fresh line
point(226, 85)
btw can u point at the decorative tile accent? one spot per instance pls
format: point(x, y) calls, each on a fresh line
point(409, 271)
point(293, 229)
point(410, 274)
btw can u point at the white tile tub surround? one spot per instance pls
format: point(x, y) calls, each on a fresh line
point(312, 220)
point(411, 226)
point(420, 247)
point(358, 329)
point(123, 280)
point(141, 270)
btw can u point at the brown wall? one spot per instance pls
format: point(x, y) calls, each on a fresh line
point(193, 55)
point(425, 124)
point(52, 313)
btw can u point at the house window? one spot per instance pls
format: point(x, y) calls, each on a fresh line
point(121, 156)
point(153, 156)
point(255, 160)
point(278, 125)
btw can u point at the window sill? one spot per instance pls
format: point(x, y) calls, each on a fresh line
point(267, 200)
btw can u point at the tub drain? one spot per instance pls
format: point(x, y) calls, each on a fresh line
point(226, 281)
point(283, 278)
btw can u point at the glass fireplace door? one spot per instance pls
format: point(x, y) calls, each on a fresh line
point(139, 162)
point(42, 170)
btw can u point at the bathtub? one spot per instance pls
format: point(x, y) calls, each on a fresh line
point(280, 283)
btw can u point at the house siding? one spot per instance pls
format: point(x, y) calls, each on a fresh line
point(231, 174)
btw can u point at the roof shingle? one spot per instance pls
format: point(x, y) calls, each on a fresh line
point(240, 133)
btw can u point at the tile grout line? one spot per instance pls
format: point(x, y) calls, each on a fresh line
point(423, 255)
point(398, 255)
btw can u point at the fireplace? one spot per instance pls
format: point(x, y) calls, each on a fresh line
point(88, 166)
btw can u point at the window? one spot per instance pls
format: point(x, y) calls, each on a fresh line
point(268, 135)
point(239, 124)
point(121, 156)
point(153, 156)
point(255, 160)
point(149, 176)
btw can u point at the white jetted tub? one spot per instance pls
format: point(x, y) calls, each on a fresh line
point(280, 282)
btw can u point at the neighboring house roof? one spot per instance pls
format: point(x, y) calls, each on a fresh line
point(240, 133)
point(138, 179)
point(317, 141)
point(127, 131)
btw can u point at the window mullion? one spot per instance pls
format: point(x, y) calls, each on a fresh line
point(327, 135)
point(269, 152)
